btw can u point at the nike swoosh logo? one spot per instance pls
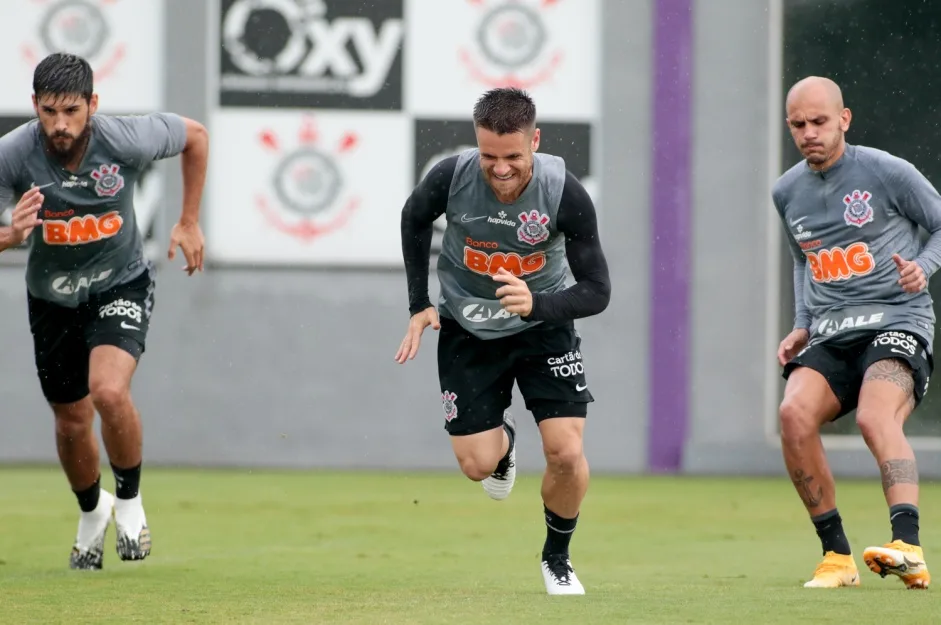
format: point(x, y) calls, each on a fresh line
point(580, 387)
point(898, 351)
point(42, 186)
point(797, 221)
point(127, 326)
point(467, 219)
point(910, 563)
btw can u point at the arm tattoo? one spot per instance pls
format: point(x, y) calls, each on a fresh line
point(895, 371)
point(898, 472)
point(804, 489)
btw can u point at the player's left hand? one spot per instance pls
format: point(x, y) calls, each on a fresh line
point(188, 237)
point(911, 276)
point(514, 295)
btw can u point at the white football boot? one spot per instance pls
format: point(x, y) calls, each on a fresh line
point(560, 577)
point(133, 542)
point(88, 549)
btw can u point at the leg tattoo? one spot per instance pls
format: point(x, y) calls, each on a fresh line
point(897, 372)
point(802, 482)
point(898, 472)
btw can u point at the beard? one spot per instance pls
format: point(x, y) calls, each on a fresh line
point(76, 147)
point(823, 151)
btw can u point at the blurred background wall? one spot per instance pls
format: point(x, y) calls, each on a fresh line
point(323, 114)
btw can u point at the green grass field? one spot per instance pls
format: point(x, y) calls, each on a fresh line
point(280, 547)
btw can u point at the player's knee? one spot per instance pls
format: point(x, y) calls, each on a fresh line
point(476, 467)
point(565, 457)
point(70, 428)
point(798, 421)
point(72, 422)
point(108, 397)
point(873, 423)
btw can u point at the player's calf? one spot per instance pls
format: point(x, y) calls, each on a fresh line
point(563, 488)
point(565, 481)
point(478, 454)
point(489, 457)
point(77, 444)
point(133, 534)
point(120, 423)
point(111, 369)
point(903, 556)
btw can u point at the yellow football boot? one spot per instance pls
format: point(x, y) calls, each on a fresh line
point(901, 559)
point(834, 571)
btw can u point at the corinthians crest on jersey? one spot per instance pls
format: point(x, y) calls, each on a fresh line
point(108, 180)
point(534, 228)
point(858, 210)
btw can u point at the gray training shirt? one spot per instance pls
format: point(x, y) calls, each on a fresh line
point(524, 237)
point(843, 226)
point(89, 240)
point(483, 235)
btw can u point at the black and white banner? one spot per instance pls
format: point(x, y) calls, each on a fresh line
point(311, 54)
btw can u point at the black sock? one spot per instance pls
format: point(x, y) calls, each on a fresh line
point(904, 519)
point(88, 498)
point(127, 482)
point(830, 530)
point(558, 534)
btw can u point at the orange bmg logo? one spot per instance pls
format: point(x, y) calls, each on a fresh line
point(81, 230)
point(490, 264)
point(839, 263)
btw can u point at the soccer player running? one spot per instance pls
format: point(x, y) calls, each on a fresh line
point(513, 218)
point(864, 322)
point(90, 290)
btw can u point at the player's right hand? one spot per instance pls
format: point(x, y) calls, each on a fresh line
point(416, 325)
point(792, 344)
point(26, 214)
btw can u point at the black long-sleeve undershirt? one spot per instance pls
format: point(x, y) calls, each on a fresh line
point(427, 202)
point(576, 219)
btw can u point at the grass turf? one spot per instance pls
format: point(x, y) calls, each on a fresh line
point(322, 547)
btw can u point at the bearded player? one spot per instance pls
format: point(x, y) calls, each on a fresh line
point(90, 291)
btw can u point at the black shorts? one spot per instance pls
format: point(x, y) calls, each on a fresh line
point(845, 365)
point(64, 337)
point(477, 376)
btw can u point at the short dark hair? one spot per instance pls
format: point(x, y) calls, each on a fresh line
point(62, 74)
point(505, 110)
